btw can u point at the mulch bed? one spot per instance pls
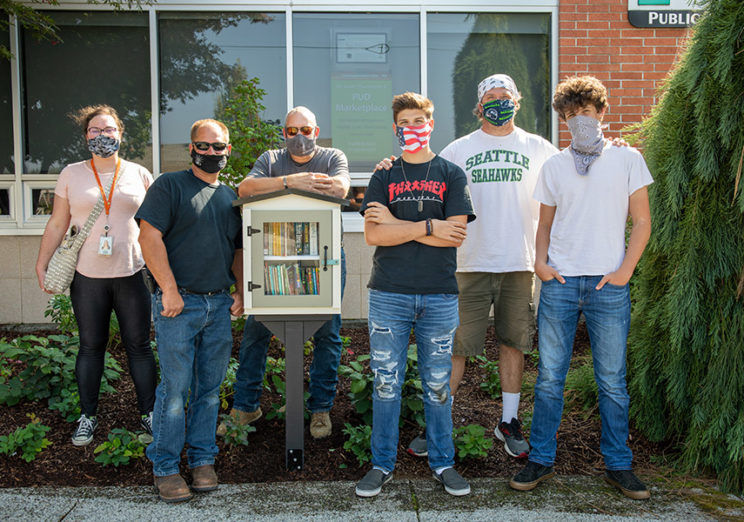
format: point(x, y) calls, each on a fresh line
point(63, 464)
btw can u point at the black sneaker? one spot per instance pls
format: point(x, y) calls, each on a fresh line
point(511, 435)
point(530, 476)
point(84, 432)
point(418, 447)
point(372, 483)
point(146, 423)
point(453, 483)
point(627, 483)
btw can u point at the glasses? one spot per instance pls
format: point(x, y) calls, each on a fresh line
point(108, 131)
point(203, 146)
point(307, 130)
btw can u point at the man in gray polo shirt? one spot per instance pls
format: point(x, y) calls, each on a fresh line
point(306, 166)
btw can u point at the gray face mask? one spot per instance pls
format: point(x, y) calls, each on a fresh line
point(587, 141)
point(103, 146)
point(300, 145)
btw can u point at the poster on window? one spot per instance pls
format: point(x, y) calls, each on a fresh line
point(361, 118)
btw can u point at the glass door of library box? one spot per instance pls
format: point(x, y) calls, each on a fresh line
point(292, 258)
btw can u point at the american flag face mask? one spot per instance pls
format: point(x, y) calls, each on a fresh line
point(413, 139)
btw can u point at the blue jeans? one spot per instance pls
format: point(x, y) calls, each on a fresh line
point(323, 370)
point(607, 314)
point(194, 349)
point(434, 320)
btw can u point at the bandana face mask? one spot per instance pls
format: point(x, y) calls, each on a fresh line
point(587, 141)
point(413, 139)
point(498, 112)
point(207, 162)
point(103, 146)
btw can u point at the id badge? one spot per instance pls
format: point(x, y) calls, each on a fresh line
point(105, 245)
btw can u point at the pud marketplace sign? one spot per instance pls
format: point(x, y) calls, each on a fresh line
point(662, 13)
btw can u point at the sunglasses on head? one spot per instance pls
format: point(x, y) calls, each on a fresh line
point(203, 146)
point(307, 130)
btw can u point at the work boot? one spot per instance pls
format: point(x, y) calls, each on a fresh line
point(172, 488)
point(320, 425)
point(240, 417)
point(205, 478)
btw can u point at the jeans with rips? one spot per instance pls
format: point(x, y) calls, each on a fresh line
point(323, 370)
point(607, 313)
point(194, 351)
point(434, 320)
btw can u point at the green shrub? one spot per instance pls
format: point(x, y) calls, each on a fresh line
point(492, 383)
point(236, 434)
point(43, 367)
point(30, 440)
point(67, 403)
point(358, 442)
point(277, 410)
point(59, 309)
point(362, 386)
point(226, 388)
point(122, 446)
point(471, 441)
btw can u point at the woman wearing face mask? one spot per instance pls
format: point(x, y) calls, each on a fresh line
point(107, 275)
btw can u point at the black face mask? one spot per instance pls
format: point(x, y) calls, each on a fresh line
point(208, 163)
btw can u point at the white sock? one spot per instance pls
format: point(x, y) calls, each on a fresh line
point(438, 471)
point(511, 406)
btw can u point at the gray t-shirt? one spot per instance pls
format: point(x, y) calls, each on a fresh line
point(277, 162)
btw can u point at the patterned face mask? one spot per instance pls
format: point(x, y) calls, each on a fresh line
point(587, 141)
point(103, 146)
point(498, 112)
point(413, 139)
point(208, 162)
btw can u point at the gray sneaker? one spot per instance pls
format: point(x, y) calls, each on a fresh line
point(511, 435)
point(84, 432)
point(453, 483)
point(372, 483)
point(418, 447)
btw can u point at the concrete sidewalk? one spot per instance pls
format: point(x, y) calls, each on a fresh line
point(563, 498)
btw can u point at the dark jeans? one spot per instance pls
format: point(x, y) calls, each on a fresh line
point(93, 299)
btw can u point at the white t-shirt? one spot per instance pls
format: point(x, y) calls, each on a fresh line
point(77, 184)
point(502, 172)
point(588, 232)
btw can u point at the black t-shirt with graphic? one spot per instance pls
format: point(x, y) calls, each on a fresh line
point(412, 267)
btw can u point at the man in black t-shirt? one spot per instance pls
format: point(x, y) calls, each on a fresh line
point(191, 242)
point(415, 214)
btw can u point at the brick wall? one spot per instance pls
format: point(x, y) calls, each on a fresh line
point(596, 38)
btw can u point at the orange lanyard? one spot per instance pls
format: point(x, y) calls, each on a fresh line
point(107, 203)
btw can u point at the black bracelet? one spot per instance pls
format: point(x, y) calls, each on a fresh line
point(429, 227)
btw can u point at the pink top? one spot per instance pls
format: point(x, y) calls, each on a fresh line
point(77, 184)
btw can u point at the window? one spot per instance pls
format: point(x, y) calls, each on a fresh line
point(202, 56)
point(6, 120)
point(347, 67)
point(102, 58)
point(464, 48)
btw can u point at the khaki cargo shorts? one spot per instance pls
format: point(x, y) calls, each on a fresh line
point(513, 310)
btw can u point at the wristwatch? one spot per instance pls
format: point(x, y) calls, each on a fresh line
point(284, 180)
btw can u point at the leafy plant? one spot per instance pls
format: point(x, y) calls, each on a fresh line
point(362, 386)
point(277, 410)
point(59, 309)
point(249, 134)
point(358, 442)
point(30, 440)
point(67, 403)
point(227, 386)
point(122, 446)
point(471, 441)
point(273, 367)
point(236, 434)
point(42, 367)
point(492, 383)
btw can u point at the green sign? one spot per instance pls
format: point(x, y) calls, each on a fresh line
point(361, 118)
point(654, 2)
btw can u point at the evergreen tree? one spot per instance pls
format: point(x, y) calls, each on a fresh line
point(686, 346)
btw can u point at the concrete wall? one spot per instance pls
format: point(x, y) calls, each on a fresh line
point(21, 300)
